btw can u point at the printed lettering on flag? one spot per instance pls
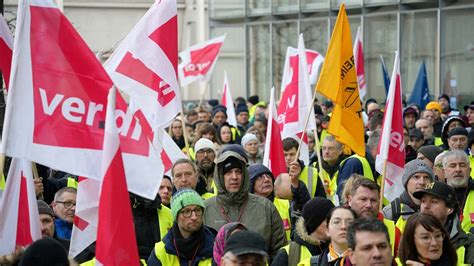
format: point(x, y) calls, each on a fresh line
point(198, 61)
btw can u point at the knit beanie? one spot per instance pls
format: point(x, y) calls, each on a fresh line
point(410, 110)
point(433, 105)
point(315, 212)
point(247, 138)
point(457, 131)
point(203, 143)
point(241, 108)
point(416, 166)
point(445, 96)
point(256, 170)
point(253, 99)
point(430, 152)
point(231, 163)
point(183, 198)
point(219, 108)
point(45, 252)
point(43, 208)
point(213, 102)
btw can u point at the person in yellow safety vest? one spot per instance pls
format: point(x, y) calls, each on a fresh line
point(262, 184)
point(357, 164)
point(437, 121)
point(152, 221)
point(416, 176)
point(439, 200)
point(205, 156)
point(310, 237)
point(457, 139)
point(185, 175)
point(457, 170)
point(470, 144)
point(165, 190)
point(306, 174)
point(245, 248)
point(364, 199)
point(242, 116)
point(449, 124)
point(426, 128)
point(189, 241)
point(332, 156)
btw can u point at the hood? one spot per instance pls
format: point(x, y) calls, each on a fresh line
point(444, 129)
point(223, 195)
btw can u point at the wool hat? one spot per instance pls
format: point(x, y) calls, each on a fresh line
point(45, 252)
point(410, 110)
point(416, 133)
point(433, 105)
point(457, 131)
point(241, 108)
point(430, 152)
point(315, 212)
point(246, 242)
point(232, 148)
point(442, 191)
point(231, 163)
point(469, 106)
point(413, 167)
point(447, 123)
point(256, 170)
point(247, 138)
point(43, 208)
point(253, 99)
point(203, 143)
point(183, 198)
point(213, 102)
point(219, 108)
point(443, 96)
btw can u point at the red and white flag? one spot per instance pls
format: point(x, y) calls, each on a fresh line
point(6, 50)
point(56, 111)
point(296, 99)
point(274, 157)
point(145, 64)
point(170, 153)
point(19, 218)
point(228, 102)
point(391, 146)
point(315, 61)
point(116, 243)
point(84, 230)
point(359, 63)
point(198, 61)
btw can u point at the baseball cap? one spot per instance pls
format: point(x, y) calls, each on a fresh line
point(246, 242)
point(440, 190)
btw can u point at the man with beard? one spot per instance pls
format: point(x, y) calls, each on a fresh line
point(456, 171)
point(188, 242)
point(416, 176)
point(205, 156)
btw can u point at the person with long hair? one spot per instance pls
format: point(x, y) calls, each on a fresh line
point(425, 242)
point(176, 133)
point(224, 134)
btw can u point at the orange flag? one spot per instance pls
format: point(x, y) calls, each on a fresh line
point(338, 82)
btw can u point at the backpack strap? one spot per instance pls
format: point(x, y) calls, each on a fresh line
point(294, 254)
point(396, 209)
point(310, 182)
point(314, 260)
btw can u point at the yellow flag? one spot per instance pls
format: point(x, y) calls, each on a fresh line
point(338, 82)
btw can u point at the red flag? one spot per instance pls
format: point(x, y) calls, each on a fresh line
point(274, 157)
point(6, 50)
point(228, 102)
point(19, 218)
point(116, 243)
point(315, 61)
point(391, 146)
point(170, 153)
point(145, 64)
point(359, 64)
point(56, 110)
point(198, 61)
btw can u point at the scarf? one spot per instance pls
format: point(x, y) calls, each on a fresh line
point(187, 248)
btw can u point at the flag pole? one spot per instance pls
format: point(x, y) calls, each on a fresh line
point(203, 93)
point(318, 154)
point(185, 134)
point(382, 185)
point(305, 126)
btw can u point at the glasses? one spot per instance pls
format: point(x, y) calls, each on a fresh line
point(206, 151)
point(188, 212)
point(426, 239)
point(67, 204)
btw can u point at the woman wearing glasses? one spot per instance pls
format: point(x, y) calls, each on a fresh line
point(425, 242)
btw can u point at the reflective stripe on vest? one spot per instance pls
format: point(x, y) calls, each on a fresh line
point(401, 222)
point(170, 259)
point(2, 182)
point(330, 182)
point(391, 232)
point(467, 221)
point(314, 179)
point(165, 219)
point(71, 182)
point(367, 171)
point(304, 252)
point(471, 162)
point(283, 208)
point(461, 253)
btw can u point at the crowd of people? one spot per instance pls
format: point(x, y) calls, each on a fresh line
point(222, 206)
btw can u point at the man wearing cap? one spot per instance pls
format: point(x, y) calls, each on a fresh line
point(234, 203)
point(428, 154)
point(416, 176)
point(189, 241)
point(309, 237)
point(439, 200)
point(242, 115)
point(205, 156)
point(438, 117)
point(219, 115)
point(416, 138)
point(262, 184)
point(185, 175)
point(456, 170)
point(446, 109)
point(409, 117)
point(457, 139)
point(46, 216)
point(245, 248)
